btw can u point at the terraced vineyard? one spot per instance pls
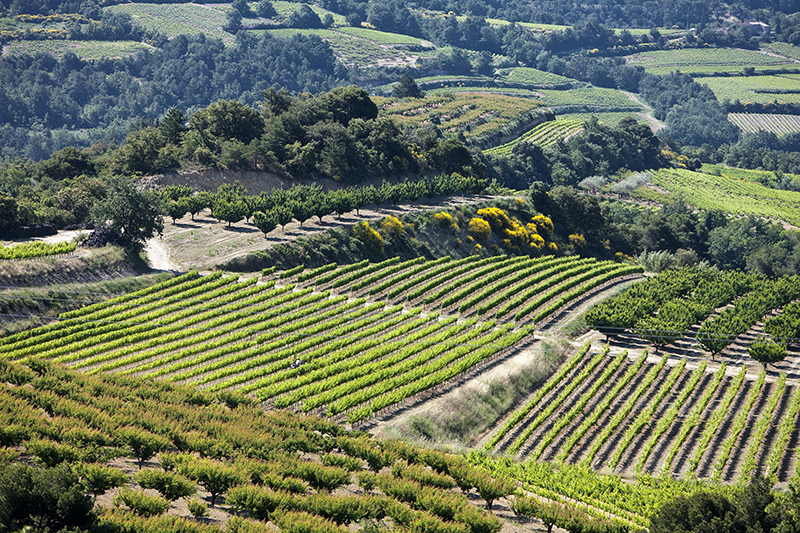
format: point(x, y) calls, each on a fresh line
point(542, 135)
point(379, 341)
point(658, 416)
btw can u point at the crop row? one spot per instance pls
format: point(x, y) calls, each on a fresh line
point(542, 135)
point(35, 249)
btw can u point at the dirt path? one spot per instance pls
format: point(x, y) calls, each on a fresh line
point(158, 257)
point(647, 115)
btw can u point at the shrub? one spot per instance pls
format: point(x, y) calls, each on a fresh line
point(392, 226)
point(363, 232)
point(197, 508)
point(170, 485)
point(140, 503)
point(479, 229)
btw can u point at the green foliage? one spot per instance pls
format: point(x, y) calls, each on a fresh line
point(170, 485)
point(36, 249)
point(52, 454)
point(407, 88)
point(143, 444)
point(215, 477)
point(140, 503)
point(766, 351)
point(133, 213)
point(101, 478)
point(197, 508)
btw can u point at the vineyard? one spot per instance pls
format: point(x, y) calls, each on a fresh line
point(542, 135)
point(35, 249)
point(82, 49)
point(177, 19)
point(738, 197)
point(536, 77)
point(348, 341)
point(705, 60)
point(472, 114)
point(777, 124)
point(659, 416)
point(761, 89)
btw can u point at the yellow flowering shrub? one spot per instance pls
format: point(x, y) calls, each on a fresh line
point(363, 232)
point(577, 240)
point(392, 226)
point(479, 229)
point(544, 226)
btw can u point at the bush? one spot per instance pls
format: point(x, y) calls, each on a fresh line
point(479, 229)
point(392, 226)
point(170, 485)
point(363, 232)
point(197, 508)
point(140, 503)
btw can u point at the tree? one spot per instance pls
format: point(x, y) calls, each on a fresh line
point(44, 499)
point(490, 489)
point(142, 443)
point(702, 511)
point(304, 17)
point(766, 351)
point(8, 211)
point(101, 478)
point(265, 9)
point(230, 210)
point(169, 484)
point(176, 209)
point(173, 125)
point(242, 7)
point(283, 215)
point(265, 222)
point(134, 214)
point(215, 477)
point(233, 21)
point(407, 88)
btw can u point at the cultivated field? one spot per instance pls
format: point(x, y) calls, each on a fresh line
point(761, 89)
point(177, 19)
point(347, 341)
point(469, 113)
point(738, 197)
point(82, 49)
point(706, 60)
point(777, 124)
point(542, 135)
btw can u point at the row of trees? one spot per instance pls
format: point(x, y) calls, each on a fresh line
point(280, 206)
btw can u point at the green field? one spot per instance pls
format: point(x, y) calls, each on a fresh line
point(590, 97)
point(380, 37)
point(177, 19)
point(777, 124)
point(82, 49)
point(757, 176)
point(735, 196)
point(470, 113)
point(784, 49)
point(542, 135)
point(611, 118)
point(351, 49)
point(360, 353)
point(284, 8)
point(536, 77)
point(746, 89)
point(706, 60)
